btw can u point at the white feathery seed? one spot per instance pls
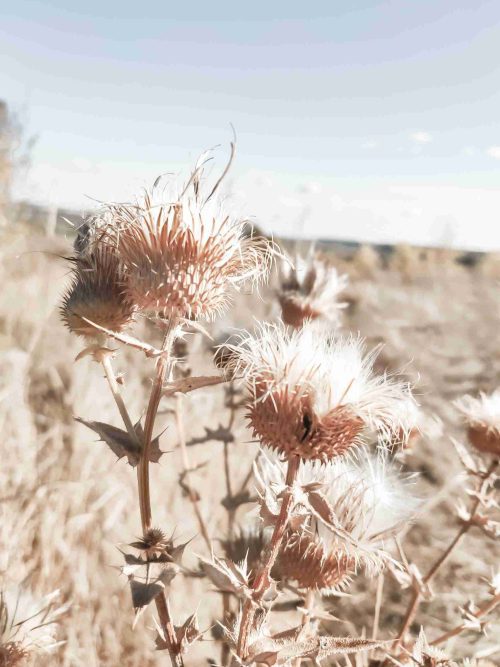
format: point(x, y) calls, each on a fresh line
point(371, 500)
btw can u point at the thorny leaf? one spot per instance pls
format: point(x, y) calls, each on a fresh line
point(315, 649)
point(120, 442)
point(233, 502)
point(220, 434)
point(269, 518)
point(185, 385)
point(144, 589)
point(424, 655)
point(143, 594)
point(470, 618)
point(323, 510)
point(177, 553)
point(187, 488)
point(117, 440)
point(186, 634)
point(155, 453)
point(227, 576)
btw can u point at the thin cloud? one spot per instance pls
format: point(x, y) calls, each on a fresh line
point(421, 137)
point(369, 145)
point(494, 151)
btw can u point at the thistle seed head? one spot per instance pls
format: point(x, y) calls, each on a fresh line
point(482, 416)
point(309, 291)
point(345, 511)
point(97, 293)
point(184, 255)
point(313, 393)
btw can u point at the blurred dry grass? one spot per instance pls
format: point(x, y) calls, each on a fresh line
point(66, 504)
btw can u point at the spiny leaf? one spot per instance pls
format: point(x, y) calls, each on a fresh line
point(152, 580)
point(121, 444)
point(316, 649)
point(226, 576)
point(117, 440)
point(155, 453)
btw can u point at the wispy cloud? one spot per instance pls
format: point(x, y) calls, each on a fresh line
point(421, 137)
point(369, 145)
point(494, 151)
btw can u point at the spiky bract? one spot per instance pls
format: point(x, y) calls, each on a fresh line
point(313, 393)
point(97, 293)
point(306, 560)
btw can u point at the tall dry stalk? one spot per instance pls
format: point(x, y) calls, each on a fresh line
point(175, 263)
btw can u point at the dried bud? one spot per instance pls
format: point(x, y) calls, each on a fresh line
point(97, 294)
point(309, 291)
point(154, 541)
point(482, 416)
point(484, 440)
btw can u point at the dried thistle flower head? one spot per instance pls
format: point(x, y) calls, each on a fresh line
point(27, 625)
point(482, 416)
point(345, 511)
point(313, 393)
point(310, 290)
point(97, 293)
point(184, 253)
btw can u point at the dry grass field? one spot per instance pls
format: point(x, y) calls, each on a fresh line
point(68, 506)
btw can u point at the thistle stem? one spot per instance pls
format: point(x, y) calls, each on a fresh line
point(417, 592)
point(144, 499)
point(163, 369)
point(262, 579)
point(482, 611)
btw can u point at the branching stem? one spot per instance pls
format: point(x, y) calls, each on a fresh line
point(483, 610)
point(417, 591)
point(262, 579)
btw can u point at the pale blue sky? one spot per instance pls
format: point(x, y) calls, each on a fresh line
point(371, 120)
